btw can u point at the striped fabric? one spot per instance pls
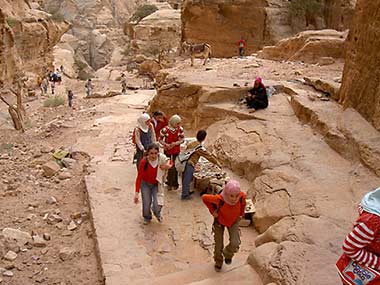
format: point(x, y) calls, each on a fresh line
point(355, 243)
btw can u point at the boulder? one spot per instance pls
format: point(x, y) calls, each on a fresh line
point(21, 237)
point(290, 263)
point(309, 46)
point(324, 85)
point(50, 168)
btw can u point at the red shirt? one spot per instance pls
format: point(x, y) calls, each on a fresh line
point(149, 175)
point(241, 43)
point(169, 136)
point(159, 126)
point(227, 214)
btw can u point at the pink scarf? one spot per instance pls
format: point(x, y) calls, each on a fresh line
point(232, 187)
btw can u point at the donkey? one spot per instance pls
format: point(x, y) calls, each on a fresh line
point(197, 50)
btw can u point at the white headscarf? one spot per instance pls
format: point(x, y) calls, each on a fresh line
point(141, 122)
point(371, 202)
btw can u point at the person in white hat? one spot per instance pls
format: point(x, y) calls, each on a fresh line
point(144, 135)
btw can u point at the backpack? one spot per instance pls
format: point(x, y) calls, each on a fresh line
point(134, 136)
point(221, 203)
point(134, 132)
point(183, 157)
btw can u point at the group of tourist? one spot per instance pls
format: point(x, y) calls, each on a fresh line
point(154, 166)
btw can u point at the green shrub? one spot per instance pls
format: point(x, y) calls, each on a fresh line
point(142, 12)
point(305, 7)
point(11, 21)
point(54, 101)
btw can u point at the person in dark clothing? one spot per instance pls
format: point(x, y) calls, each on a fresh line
point(70, 96)
point(257, 96)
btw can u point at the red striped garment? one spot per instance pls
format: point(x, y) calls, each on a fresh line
point(362, 244)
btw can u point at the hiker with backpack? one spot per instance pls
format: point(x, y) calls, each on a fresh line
point(171, 138)
point(257, 96)
point(149, 176)
point(227, 209)
point(143, 135)
point(196, 150)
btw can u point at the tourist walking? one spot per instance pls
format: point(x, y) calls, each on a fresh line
point(44, 85)
point(159, 121)
point(227, 209)
point(123, 82)
point(88, 87)
point(199, 151)
point(257, 96)
point(70, 96)
point(241, 46)
point(360, 261)
point(147, 181)
point(171, 138)
point(144, 135)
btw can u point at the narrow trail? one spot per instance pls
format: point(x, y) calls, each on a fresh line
point(179, 249)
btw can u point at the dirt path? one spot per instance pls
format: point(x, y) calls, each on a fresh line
point(130, 251)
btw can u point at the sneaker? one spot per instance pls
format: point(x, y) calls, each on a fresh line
point(146, 222)
point(218, 267)
point(160, 219)
point(228, 260)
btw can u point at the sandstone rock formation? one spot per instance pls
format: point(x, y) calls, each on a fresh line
point(97, 25)
point(360, 87)
point(264, 22)
point(27, 38)
point(310, 46)
point(157, 32)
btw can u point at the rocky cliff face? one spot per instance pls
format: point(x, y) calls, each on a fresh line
point(361, 87)
point(260, 22)
point(27, 37)
point(97, 24)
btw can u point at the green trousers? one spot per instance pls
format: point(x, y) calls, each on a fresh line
point(233, 246)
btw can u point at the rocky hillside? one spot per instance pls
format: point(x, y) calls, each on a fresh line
point(27, 37)
point(97, 26)
point(260, 22)
point(361, 88)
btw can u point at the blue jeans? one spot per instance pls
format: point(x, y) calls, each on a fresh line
point(187, 176)
point(149, 195)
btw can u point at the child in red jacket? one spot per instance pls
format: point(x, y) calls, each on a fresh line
point(227, 208)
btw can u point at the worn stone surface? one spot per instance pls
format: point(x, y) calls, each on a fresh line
point(50, 168)
point(360, 87)
point(327, 86)
point(308, 46)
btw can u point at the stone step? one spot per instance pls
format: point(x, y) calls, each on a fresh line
point(242, 275)
point(200, 273)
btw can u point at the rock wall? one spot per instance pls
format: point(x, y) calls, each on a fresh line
point(260, 22)
point(27, 38)
point(97, 24)
point(361, 87)
point(321, 46)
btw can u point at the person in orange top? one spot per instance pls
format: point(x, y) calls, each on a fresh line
point(227, 209)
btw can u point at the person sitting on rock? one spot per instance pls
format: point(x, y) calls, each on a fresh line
point(147, 182)
point(227, 209)
point(257, 96)
point(187, 175)
point(361, 247)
